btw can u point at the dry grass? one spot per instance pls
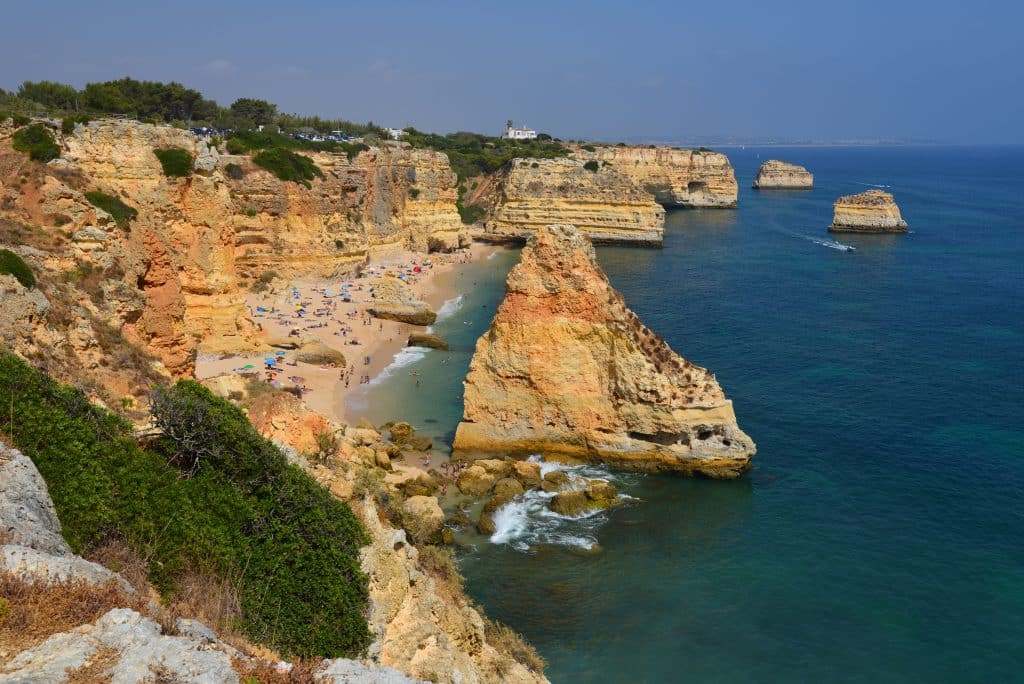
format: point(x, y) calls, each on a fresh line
point(94, 671)
point(38, 611)
point(506, 640)
point(250, 671)
point(211, 599)
point(439, 562)
point(116, 555)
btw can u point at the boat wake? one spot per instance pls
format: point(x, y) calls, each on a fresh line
point(526, 521)
point(831, 244)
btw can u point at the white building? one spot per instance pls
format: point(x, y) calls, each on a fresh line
point(518, 133)
point(395, 133)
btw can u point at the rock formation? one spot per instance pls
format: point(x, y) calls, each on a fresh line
point(873, 211)
point(567, 368)
point(171, 280)
point(395, 301)
point(676, 178)
point(604, 204)
point(779, 175)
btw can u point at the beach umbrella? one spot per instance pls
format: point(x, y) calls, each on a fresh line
point(280, 354)
point(248, 366)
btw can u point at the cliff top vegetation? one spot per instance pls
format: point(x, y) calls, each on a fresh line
point(168, 102)
point(472, 154)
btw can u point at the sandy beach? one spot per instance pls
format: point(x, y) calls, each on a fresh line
point(335, 311)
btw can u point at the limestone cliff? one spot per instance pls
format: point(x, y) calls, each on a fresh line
point(873, 211)
point(567, 368)
point(606, 205)
point(172, 279)
point(389, 198)
point(780, 175)
point(676, 178)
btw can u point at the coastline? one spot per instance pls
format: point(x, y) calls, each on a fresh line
point(329, 389)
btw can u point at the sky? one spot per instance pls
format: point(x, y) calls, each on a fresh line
point(647, 69)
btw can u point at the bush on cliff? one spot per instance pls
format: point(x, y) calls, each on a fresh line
point(12, 264)
point(121, 212)
point(37, 141)
point(210, 495)
point(472, 154)
point(288, 166)
point(592, 166)
point(176, 162)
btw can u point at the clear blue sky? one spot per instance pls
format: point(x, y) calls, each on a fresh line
point(951, 71)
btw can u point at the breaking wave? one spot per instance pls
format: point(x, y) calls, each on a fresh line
point(527, 521)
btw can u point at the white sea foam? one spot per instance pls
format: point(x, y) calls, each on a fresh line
point(402, 358)
point(527, 521)
point(491, 255)
point(449, 307)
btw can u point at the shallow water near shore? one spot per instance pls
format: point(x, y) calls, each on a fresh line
point(880, 535)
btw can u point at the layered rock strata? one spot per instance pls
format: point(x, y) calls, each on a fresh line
point(873, 211)
point(566, 368)
point(780, 175)
point(604, 204)
point(676, 178)
point(172, 279)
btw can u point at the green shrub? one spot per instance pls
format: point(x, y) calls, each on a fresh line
point(234, 172)
point(4, 116)
point(591, 166)
point(589, 148)
point(20, 120)
point(210, 495)
point(471, 214)
point(67, 125)
point(236, 146)
point(122, 213)
point(414, 192)
point(11, 263)
point(177, 162)
point(288, 166)
point(37, 141)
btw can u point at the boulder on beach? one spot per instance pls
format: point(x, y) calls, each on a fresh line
point(571, 503)
point(395, 301)
point(422, 517)
point(508, 486)
point(318, 353)
point(422, 339)
point(554, 481)
point(475, 481)
point(526, 472)
point(402, 432)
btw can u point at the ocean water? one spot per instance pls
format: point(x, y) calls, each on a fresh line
point(880, 536)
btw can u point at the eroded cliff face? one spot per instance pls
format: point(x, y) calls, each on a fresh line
point(384, 200)
point(873, 211)
point(780, 175)
point(181, 244)
point(606, 205)
point(566, 368)
point(172, 280)
point(676, 178)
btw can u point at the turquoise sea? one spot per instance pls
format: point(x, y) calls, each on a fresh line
point(880, 536)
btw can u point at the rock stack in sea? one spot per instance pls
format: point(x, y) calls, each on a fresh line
point(780, 175)
point(566, 368)
point(873, 211)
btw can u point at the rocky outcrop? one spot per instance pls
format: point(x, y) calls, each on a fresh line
point(395, 301)
point(873, 211)
point(566, 368)
point(422, 339)
point(780, 175)
point(606, 205)
point(33, 547)
point(173, 278)
point(676, 178)
point(422, 629)
point(382, 200)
